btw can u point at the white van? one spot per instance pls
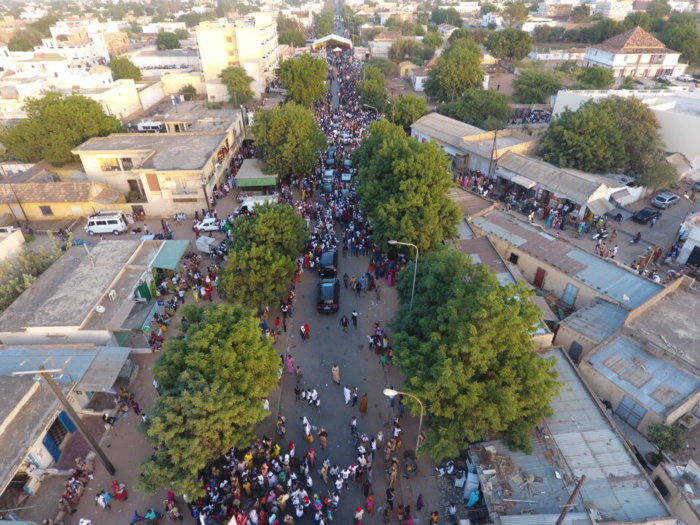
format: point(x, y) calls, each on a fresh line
point(150, 127)
point(251, 202)
point(107, 222)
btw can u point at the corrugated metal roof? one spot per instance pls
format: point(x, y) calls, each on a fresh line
point(608, 278)
point(470, 203)
point(615, 485)
point(654, 382)
point(445, 129)
point(598, 321)
point(573, 518)
point(573, 186)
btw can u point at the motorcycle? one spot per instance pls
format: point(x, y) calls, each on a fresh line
point(600, 235)
point(636, 238)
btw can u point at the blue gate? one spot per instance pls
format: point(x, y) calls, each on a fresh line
point(52, 447)
point(67, 422)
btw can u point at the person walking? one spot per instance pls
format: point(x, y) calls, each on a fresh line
point(355, 395)
point(323, 439)
point(336, 374)
point(419, 502)
point(302, 330)
point(353, 426)
point(290, 364)
point(355, 315)
point(390, 497)
point(347, 393)
point(363, 404)
point(434, 518)
point(344, 323)
point(307, 329)
point(345, 280)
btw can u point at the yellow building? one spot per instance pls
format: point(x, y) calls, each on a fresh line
point(250, 43)
point(59, 200)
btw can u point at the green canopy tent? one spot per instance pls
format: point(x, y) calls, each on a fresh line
point(250, 175)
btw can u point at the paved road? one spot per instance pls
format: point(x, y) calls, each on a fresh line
point(335, 93)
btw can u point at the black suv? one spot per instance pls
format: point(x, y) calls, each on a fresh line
point(328, 264)
point(328, 300)
point(646, 215)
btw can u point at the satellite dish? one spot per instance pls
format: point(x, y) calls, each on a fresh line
point(100, 309)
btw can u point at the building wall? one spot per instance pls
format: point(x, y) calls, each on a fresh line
point(380, 49)
point(67, 335)
point(64, 210)
point(173, 82)
point(565, 336)
point(120, 100)
point(217, 49)
point(682, 508)
point(150, 94)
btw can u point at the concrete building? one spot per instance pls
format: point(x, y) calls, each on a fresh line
point(11, 243)
point(250, 43)
point(379, 47)
point(418, 78)
point(173, 172)
point(690, 234)
point(155, 62)
point(574, 276)
point(100, 296)
point(39, 201)
point(468, 146)
point(679, 484)
point(578, 439)
point(613, 9)
point(635, 53)
point(558, 55)
point(154, 28)
point(677, 110)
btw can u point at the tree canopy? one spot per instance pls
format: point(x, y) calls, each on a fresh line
point(485, 109)
point(450, 16)
point(123, 67)
point(212, 386)
point(457, 71)
point(408, 48)
point(263, 259)
point(289, 139)
point(580, 14)
point(515, 14)
point(167, 40)
point(305, 79)
point(24, 40)
point(595, 77)
point(512, 44)
point(535, 87)
point(56, 124)
point(237, 82)
point(466, 346)
point(407, 109)
point(604, 136)
point(403, 184)
point(372, 89)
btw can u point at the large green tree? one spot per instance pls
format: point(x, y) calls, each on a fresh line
point(457, 71)
point(305, 79)
point(278, 227)
point(515, 14)
point(372, 89)
point(604, 136)
point(167, 40)
point(486, 109)
point(595, 77)
point(535, 87)
point(512, 44)
point(446, 16)
point(680, 33)
point(237, 82)
point(289, 139)
point(658, 8)
point(212, 385)
point(407, 109)
point(123, 67)
point(403, 186)
point(580, 14)
point(24, 40)
point(466, 347)
point(56, 124)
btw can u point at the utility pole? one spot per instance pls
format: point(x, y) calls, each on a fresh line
point(47, 376)
point(570, 503)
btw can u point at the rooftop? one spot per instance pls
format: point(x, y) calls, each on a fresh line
point(598, 321)
point(166, 151)
point(470, 203)
point(616, 282)
point(19, 428)
point(577, 439)
point(655, 382)
point(578, 186)
point(59, 192)
point(66, 293)
point(671, 323)
point(445, 129)
point(176, 53)
point(482, 251)
point(635, 40)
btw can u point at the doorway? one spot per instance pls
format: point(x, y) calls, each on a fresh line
point(540, 274)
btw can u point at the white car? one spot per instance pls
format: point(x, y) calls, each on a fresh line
point(210, 224)
point(667, 78)
point(686, 78)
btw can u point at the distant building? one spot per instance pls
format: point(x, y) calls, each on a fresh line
point(558, 55)
point(635, 53)
point(615, 10)
point(379, 47)
point(250, 43)
point(418, 77)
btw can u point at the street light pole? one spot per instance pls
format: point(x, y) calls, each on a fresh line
point(372, 107)
point(390, 392)
point(415, 267)
point(63, 401)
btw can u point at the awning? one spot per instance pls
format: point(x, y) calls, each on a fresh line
point(104, 370)
point(170, 255)
point(268, 180)
point(600, 206)
point(516, 179)
point(251, 175)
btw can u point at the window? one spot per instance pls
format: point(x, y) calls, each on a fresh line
point(46, 211)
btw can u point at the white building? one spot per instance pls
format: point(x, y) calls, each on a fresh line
point(613, 10)
point(677, 110)
point(635, 53)
point(250, 43)
point(463, 8)
point(163, 27)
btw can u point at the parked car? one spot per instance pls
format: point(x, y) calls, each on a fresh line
point(210, 224)
point(665, 200)
point(328, 296)
point(328, 264)
point(646, 215)
point(686, 78)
